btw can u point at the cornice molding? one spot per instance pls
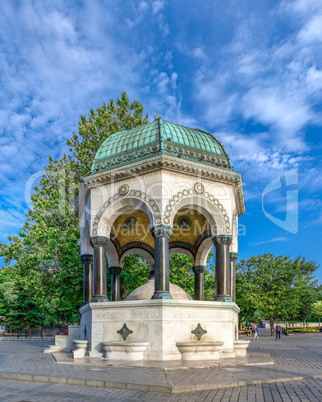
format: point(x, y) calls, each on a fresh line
point(171, 164)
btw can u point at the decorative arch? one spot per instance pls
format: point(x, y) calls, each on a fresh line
point(151, 206)
point(175, 201)
point(179, 250)
point(142, 253)
point(203, 251)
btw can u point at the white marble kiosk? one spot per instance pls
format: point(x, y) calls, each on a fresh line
point(154, 191)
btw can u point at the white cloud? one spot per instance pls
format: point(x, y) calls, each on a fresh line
point(267, 79)
point(157, 6)
point(286, 115)
point(276, 239)
point(312, 31)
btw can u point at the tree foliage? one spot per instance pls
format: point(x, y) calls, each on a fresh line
point(42, 263)
point(276, 287)
point(317, 309)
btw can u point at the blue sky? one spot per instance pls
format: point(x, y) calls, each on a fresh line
point(250, 72)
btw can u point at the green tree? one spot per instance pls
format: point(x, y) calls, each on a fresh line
point(181, 272)
point(135, 273)
point(44, 258)
point(276, 287)
point(317, 310)
point(23, 312)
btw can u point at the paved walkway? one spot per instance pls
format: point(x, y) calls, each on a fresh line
point(295, 356)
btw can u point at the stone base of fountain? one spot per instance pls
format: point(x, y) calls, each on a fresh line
point(200, 350)
point(241, 348)
point(81, 347)
point(160, 325)
point(130, 351)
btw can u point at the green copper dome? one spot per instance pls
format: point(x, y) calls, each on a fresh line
point(160, 137)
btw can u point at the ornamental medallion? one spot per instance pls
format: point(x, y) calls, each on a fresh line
point(199, 188)
point(124, 189)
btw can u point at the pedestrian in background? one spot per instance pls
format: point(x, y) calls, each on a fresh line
point(255, 332)
point(278, 331)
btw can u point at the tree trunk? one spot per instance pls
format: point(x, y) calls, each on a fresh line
point(319, 321)
point(271, 321)
point(44, 331)
point(30, 332)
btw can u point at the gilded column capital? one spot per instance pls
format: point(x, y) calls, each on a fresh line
point(115, 270)
point(233, 256)
point(222, 240)
point(161, 231)
point(87, 258)
point(99, 241)
point(199, 269)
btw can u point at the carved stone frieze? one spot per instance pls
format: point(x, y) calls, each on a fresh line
point(166, 314)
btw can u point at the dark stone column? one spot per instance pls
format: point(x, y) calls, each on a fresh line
point(161, 234)
point(199, 281)
point(233, 258)
point(87, 260)
point(222, 243)
point(99, 268)
point(115, 283)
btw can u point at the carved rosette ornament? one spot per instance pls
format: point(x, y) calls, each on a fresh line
point(222, 240)
point(233, 256)
point(123, 190)
point(99, 241)
point(199, 188)
point(162, 231)
point(199, 269)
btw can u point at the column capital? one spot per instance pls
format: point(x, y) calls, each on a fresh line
point(99, 241)
point(87, 258)
point(199, 269)
point(161, 231)
point(233, 256)
point(115, 270)
point(222, 240)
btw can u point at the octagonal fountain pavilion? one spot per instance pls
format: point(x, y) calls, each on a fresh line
point(154, 191)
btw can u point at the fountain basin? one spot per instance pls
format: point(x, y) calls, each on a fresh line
point(130, 351)
point(81, 347)
point(200, 350)
point(240, 348)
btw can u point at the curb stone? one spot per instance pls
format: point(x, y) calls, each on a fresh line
point(144, 387)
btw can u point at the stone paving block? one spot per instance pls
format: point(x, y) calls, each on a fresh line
point(58, 380)
point(76, 381)
point(24, 377)
point(94, 383)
